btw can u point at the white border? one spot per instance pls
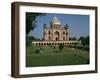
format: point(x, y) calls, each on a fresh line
point(53, 69)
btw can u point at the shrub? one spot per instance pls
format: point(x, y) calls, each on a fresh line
point(61, 46)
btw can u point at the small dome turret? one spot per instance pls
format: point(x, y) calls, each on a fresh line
point(66, 26)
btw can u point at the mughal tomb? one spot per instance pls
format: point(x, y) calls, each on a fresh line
point(55, 34)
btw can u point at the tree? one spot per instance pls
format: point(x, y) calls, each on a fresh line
point(84, 40)
point(61, 46)
point(72, 38)
point(30, 25)
point(31, 21)
point(87, 40)
point(29, 40)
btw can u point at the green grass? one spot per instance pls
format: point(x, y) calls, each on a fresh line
point(53, 57)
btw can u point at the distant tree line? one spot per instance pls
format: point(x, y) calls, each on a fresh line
point(72, 38)
point(84, 40)
point(84, 45)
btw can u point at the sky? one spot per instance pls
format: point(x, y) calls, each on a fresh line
point(78, 24)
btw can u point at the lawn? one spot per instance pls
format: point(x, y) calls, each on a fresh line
point(52, 56)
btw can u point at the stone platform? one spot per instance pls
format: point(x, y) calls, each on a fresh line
point(54, 42)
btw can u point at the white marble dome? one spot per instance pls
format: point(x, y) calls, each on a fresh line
point(55, 21)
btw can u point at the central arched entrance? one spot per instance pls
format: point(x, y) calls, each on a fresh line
point(56, 35)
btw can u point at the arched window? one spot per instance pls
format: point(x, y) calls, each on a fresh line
point(49, 38)
point(63, 37)
point(49, 32)
point(56, 35)
point(41, 43)
point(63, 32)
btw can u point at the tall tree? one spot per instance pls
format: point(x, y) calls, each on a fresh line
point(30, 25)
point(31, 21)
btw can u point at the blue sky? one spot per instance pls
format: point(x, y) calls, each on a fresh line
point(78, 24)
